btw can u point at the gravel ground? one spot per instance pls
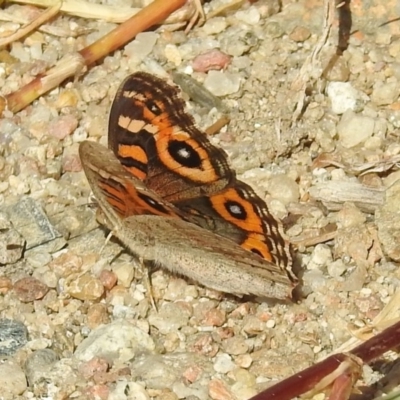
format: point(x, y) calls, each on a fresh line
point(77, 322)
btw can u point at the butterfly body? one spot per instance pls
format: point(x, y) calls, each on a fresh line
point(170, 196)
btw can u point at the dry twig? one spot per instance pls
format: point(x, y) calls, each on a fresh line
point(73, 64)
point(32, 25)
point(311, 69)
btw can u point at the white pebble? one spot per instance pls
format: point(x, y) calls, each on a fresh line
point(223, 363)
point(354, 129)
point(270, 323)
point(110, 341)
point(222, 83)
point(141, 47)
point(173, 55)
point(317, 349)
point(342, 96)
point(36, 51)
point(250, 16)
point(336, 269)
point(320, 257)
point(214, 25)
point(19, 51)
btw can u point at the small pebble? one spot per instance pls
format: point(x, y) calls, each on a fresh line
point(336, 268)
point(176, 289)
point(211, 59)
point(270, 324)
point(250, 16)
point(203, 344)
point(5, 285)
point(30, 289)
point(353, 129)
point(125, 273)
point(245, 377)
point(71, 161)
point(12, 380)
point(300, 34)
point(62, 127)
point(343, 97)
point(320, 257)
point(140, 47)
point(350, 216)
point(243, 360)
point(86, 287)
point(222, 83)
point(218, 390)
point(171, 342)
point(13, 336)
point(253, 325)
point(97, 315)
point(91, 367)
point(47, 277)
point(173, 55)
point(39, 364)
point(235, 345)
point(284, 189)
point(214, 25)
point(192, 373)
point(170, 318)
point(119, 340)
point(108, 278)
point(214, 317)
point(66, 264)
point(385, 93)
point(223, 363)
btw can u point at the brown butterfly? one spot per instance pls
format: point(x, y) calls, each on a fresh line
point(170, 196)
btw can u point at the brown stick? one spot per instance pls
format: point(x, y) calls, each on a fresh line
point(72, 64)
point(31, 25)
point(151, 15)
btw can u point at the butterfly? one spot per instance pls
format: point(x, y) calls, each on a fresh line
point(170, 196)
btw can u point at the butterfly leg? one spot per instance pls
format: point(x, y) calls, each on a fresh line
point(198, 16)
point(109, 236)
point(147, 282)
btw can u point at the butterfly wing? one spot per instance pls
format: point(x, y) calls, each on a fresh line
point(118, 192)
point(156, 141)
point(160, 234)
point(239, 214)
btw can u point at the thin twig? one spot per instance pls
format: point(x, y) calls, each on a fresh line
point(307, 71)
point(32, 25)
point(73, 64)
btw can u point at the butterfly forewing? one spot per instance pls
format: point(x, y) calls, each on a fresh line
point(157, 141)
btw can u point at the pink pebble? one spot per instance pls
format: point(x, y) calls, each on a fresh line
point(211, 59)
